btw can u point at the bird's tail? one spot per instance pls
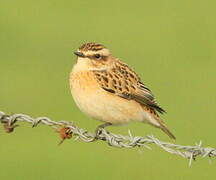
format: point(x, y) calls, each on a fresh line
point(154, 119)
point(166, 130)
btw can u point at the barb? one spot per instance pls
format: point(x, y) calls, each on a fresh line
point(68, 130)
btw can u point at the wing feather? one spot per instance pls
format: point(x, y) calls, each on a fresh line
point(124, 82)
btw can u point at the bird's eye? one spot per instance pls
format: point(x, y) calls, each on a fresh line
point(97, 56)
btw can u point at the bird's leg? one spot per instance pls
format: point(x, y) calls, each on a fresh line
point(98, 129)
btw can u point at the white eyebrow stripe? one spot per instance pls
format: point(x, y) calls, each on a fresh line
point(104, 52)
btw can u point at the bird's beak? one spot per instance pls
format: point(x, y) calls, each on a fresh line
point(79, 54)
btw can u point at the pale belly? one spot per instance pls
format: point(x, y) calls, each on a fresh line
point(102, 105)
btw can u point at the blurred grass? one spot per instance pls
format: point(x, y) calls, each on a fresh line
point(171, 44)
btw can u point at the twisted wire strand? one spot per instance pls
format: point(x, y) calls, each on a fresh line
point(115, 140)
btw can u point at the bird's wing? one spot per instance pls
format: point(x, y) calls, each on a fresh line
point(124, 82)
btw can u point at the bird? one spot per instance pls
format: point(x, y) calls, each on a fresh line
point(107, 89)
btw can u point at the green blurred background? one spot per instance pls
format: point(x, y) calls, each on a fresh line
point(170, 43)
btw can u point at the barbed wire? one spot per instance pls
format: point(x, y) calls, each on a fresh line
point(69, 130)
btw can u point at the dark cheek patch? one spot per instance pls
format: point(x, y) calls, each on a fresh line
point(104, 58)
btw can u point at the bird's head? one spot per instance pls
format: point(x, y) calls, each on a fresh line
point(94, 56)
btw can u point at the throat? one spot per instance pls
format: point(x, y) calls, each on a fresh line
point(81, 65)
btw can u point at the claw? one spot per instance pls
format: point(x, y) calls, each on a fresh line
point(99, 130)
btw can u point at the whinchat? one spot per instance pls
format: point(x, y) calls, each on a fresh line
point(107, 89)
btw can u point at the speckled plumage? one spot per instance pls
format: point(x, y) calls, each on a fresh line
point(91, 46)
point(107, 89)
point(124, 82)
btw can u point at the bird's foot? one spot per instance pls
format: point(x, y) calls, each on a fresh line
point(99, 131)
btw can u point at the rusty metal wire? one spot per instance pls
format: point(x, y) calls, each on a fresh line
point(68, 130)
